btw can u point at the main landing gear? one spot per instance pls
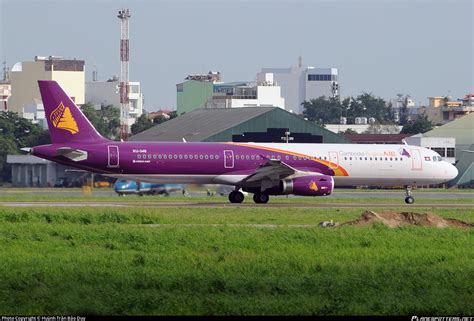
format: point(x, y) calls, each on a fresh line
point(236, 197)
point(260, 198)
point(409, 199)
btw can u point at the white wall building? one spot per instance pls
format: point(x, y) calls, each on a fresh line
point(444, 146)
point(299, 84)
point(107, 93)
point(265, 93)
point(35, 112)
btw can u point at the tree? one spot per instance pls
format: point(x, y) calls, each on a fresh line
point(323, 110)
point(7, 147)
point(15, 133)
point(348, 131)
point(142, 123)
point(106, 120)
point(368, 105)
point(22, 131)
point(421, 125)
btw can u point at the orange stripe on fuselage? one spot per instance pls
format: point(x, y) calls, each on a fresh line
point(339, 171)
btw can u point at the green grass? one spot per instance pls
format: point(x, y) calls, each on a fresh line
point(223, 199)
point(113, 261)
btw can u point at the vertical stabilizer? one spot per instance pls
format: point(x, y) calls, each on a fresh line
point(66, 122)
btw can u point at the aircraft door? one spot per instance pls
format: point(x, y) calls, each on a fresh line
point(113, 156)
point(228, 159)
point(334, 159)
point(416, 163)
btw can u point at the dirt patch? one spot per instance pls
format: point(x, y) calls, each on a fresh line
point(394, 219)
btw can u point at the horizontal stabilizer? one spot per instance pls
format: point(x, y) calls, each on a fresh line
point(73, 154)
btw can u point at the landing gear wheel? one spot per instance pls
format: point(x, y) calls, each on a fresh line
point(236, 197)
point(260, 198)
point(409, 199)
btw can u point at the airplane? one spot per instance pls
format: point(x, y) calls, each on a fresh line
point(263, 169)
point(125, 187)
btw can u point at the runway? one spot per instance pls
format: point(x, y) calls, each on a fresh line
point(229, 205)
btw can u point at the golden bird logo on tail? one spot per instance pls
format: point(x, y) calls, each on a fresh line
point(61, 117)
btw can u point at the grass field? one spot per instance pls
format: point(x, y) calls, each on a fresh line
point(223, 199)
point(229, 261)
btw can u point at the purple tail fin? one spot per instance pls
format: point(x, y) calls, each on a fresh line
point(66, 122)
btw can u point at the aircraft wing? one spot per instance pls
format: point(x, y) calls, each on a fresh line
point(268, 174)
point(73, 154)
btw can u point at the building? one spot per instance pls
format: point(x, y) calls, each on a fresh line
point(208, 91)
point(399, 104)
point(299, 84)
point(361, 128)
point(32, 171)
point(34, 111)
point(5, 93)
point(377, 138)
point(24, 78)
point(230, 124)
point(462, 130)
point(442, 110)
point(444, 146)
point(103, 93)
point(5, 88)
point(195, 91)
point(263, 93)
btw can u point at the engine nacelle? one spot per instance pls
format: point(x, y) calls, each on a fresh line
point(307, 185)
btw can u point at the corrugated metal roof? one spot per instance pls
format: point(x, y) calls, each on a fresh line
point(462, 129)
point(199, 124)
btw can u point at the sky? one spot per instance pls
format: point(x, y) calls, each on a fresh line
point(422, 48)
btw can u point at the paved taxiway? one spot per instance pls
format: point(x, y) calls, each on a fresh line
point(229, 205)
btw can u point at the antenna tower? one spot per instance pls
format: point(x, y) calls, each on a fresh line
point(124, 86)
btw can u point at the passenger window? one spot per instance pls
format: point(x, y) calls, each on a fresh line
point(190, 156)
point(165, 156)
point(139, 156)
point(211, 156)
point(160, 156)
point(286, 157)
point(294, 157)
point(252, 157)
point(217, 156)
point(185, 156)
point(206, 156)
point(201, 157)
point(180, 156)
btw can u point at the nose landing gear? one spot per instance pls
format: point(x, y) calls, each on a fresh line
point(409, 199)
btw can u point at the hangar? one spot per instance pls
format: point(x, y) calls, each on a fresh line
point(262, 124)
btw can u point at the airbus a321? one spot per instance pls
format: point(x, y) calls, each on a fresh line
point(262, 169)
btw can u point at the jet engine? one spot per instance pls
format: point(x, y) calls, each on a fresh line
point(307, 185)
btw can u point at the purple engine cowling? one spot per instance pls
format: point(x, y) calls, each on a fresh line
point(320, 185)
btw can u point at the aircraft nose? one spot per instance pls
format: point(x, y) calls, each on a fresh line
point(451, 172)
